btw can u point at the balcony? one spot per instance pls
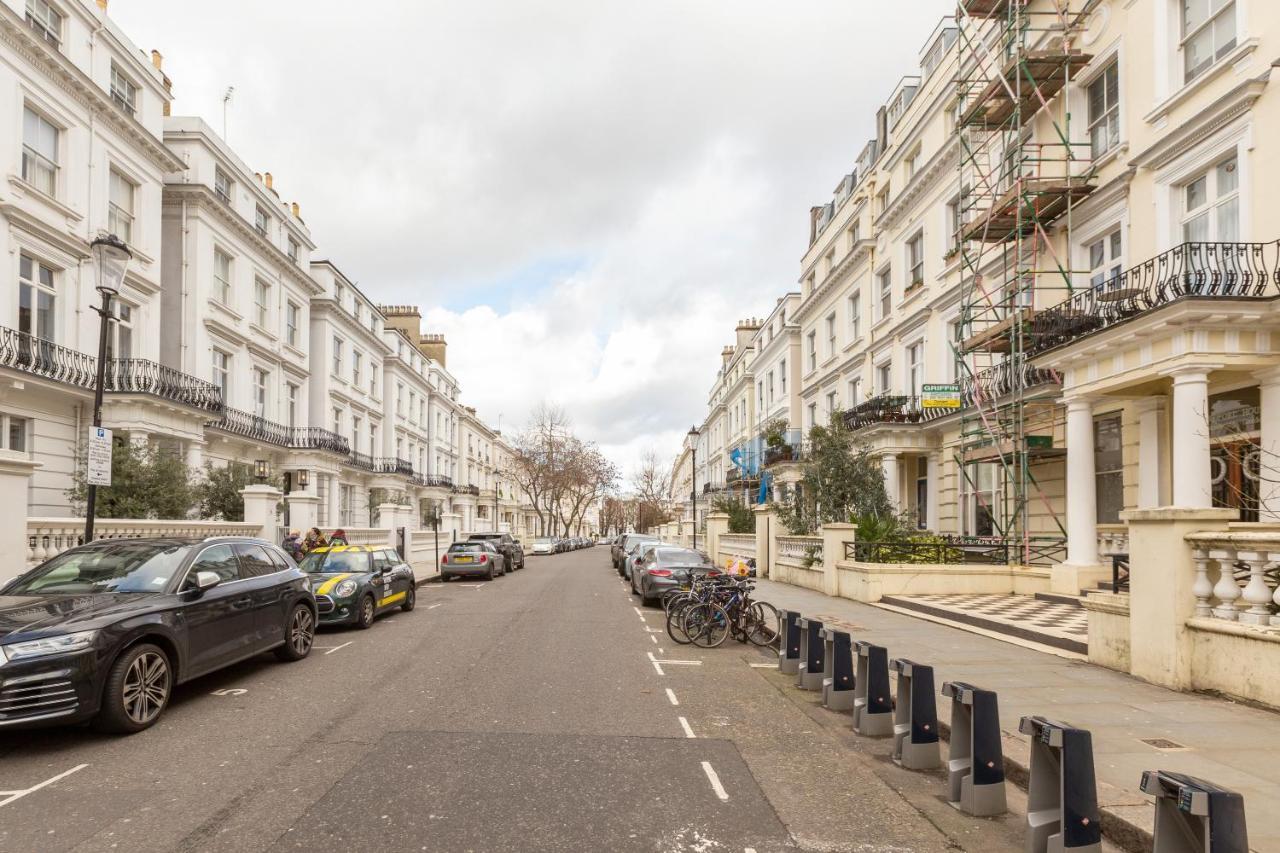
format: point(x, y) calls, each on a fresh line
point(316, 438)
point(993, 383)
point(363, 461)
point(467, 490)
point(432, 481)
point(1189, 271)
point(886, 409)
point(393, 465)
point(253, 427)
point(782, 453)
point(47, 360)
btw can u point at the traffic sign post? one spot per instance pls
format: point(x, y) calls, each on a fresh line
point(98, 471)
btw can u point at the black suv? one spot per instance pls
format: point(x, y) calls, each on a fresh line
point(507, 546)
point(106, 630)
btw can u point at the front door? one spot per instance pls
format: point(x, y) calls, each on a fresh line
point(1234, 468)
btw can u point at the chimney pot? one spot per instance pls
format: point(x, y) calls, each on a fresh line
point(297, 211)
point(258, 175)
point(266, 176)
point(157, 59)
point(102, 4)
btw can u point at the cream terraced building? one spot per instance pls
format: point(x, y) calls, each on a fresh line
point(1140, 328)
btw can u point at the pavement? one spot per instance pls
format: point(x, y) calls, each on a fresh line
point(543, 711)
point(1136, 726)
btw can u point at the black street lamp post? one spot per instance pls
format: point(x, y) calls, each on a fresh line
point(112, 257)
point(693, 449)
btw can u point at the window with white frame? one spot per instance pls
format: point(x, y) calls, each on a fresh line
point(1208, 34)
point(291, 319)
point(337, 420)
point(915, 368)
point(294, 250)
point(120, 195)
point(357, 427)
point(1105, 255)
point(260, 392)
point(911, 163)
point(37, 298)
point(14, 433)
point(261, 221)
point(357, 366)
point(40, 138)
point(1211, 204)
point(760, 395)
point(782, 376)
point(123, 90)
point(831, 334)
point(813, 415)
point(400, 404)
point(769, 383)
point(954, 221)
point(222, 185)
point(222, 276)
point(261, 302)
point(45, 20)
point(1104, 110)
point(855, 233)
point(373, 380)
point(915, 260)
point(337, 356)
point(373, 437)
point(855, 315)
point(884, 377)
point(855, 391)
point(291, 404)
point(120, 333)
point(221, 364)
point(884, 304)
point(813, 350)
point(833, 403)
point(882, 200)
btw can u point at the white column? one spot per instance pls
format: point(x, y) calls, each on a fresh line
point(260, 508)
point(1190, 413)
point(1150, 453)
point(15, 480)
point(889, 462)
point(932, 490)
point(1082, 495)
point(195, 455)
point(1269, 446)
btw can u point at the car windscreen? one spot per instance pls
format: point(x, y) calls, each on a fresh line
point(318, 562)
point(542, 540)
point(681, 557)
point(478, 547)
point(640, 545)
point(121, 566)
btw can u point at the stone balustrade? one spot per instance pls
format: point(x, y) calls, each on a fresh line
point(1237, 576)
point(800, 548)
point(1113, 539)
point(49, 537)
point(367, 535)
point(738, 544)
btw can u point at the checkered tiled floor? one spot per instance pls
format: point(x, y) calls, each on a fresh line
point(1062, 625)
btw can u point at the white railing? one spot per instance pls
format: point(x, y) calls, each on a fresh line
point(1237, 576)
point(49, 537)
point(738, 544)
point(802, 549)
point(368, 535)
point(1113, 539)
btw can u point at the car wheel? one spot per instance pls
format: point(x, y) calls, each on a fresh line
point(299, 634)
point(366, 611)
point(491, 574)
point(444, 578)
point(136, 691)
point(410, 598)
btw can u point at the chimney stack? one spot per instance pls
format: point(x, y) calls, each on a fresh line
point(157, 59)
point(102, 4)
point(266, 176)
point(297, 211)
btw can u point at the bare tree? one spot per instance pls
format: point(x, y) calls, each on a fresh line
point(651, 482)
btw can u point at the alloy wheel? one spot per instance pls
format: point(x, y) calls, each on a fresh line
point(146, 687)
point(302, 631)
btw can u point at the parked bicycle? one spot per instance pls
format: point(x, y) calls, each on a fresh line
point(716, 608)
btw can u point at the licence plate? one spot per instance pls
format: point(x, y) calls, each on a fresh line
point(462, 559)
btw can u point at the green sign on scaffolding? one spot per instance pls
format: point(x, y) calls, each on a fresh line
point(940, 396)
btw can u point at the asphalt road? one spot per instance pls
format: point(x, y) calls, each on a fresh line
point(542, 711)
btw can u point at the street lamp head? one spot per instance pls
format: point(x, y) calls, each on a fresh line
point(112, 257)
point(694, 433)
point(304, 478)
point(260, 470)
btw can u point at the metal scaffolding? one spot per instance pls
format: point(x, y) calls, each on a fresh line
point(1021, 174)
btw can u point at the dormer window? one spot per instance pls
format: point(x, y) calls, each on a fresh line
point(123, 90)
point(45, 20)
point(261, 220)
point(222, 186)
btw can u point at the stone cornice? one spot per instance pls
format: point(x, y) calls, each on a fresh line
point(1187, 134)
point(837, 274)
point(921, 181)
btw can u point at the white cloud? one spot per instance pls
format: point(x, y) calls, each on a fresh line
point(438, 148)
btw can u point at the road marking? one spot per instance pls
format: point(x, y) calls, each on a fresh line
point(656, 665)
point(671, 694)
point(229, 691)
point(434, 606)
point(338, 648)
point(473, 585)
point(655, 639)
point(7, 797)
point(714, 780)
point(764, 666)
point(684, 724)
point(637, 610)
point(680, 662)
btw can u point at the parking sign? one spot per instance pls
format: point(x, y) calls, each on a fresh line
point(99, 467)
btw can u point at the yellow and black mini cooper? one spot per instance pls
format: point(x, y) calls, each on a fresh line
point(355, 583)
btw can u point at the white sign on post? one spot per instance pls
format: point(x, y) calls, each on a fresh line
point(99, 473)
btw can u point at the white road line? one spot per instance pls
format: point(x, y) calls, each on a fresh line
point(336, 648)
point(671, 694)
point(684, 724)
point(764, 666)
point(748, 850)
point(657, 666)
point(680, 662)
point(637, 610)
point(434, 606)
point(655, 639)
point(714, 780)
point(12, 796)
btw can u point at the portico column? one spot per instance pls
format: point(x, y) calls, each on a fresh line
point(1082, 496)
point(1150, 453)
point(1192, 472)
point(1269, 446)
point(889, 462)
point(933, 487)
point(195, 455)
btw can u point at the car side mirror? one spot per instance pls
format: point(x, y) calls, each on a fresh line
point(205, 581)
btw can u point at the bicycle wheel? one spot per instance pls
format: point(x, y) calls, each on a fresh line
point(675, 623)
point(764, 624)
point(707, 625)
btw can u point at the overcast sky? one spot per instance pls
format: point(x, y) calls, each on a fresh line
point(583, 195)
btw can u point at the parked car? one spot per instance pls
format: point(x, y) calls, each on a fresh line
point(353, 584)
point(663, 569)
point(472, 559)
point(507, 544)
point(629, 542)
point(104, 632)
point(635, 547)
point(543, 545)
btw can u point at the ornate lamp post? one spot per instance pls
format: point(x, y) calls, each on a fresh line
point(111, 256)
point(261, 469)
point(693, 449)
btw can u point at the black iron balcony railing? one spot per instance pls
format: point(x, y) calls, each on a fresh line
point(140, 376)
point(253, 427)
point(393, 465)
point(884, 409)
point(1003, 379)
point(433, 481)
point(467, 490)
point(317, 438)
point(356, 459)
point(39, 357)
point(1187, 271)
point(782, 453)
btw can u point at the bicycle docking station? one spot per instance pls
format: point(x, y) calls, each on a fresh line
point(1062, 796)
point(915, 718)
point(1195, 816)
point(809, 673)
point(975, 768)
point(837, 674)
point(872, 703)
point(789, 643)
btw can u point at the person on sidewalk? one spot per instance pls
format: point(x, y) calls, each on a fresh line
point(292, 545)
point(339, 537)
point(315, 539)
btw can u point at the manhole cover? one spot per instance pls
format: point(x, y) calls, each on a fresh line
point(1161, 743)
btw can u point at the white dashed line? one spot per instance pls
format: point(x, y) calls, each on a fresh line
point(764, 666)
point(336, 648)
point(655, 639)
point(7, 797)
point(434, 606)
point(657, 667)
point(684, 724)
point(680, 662)
point(637, 610)
point(714, 780)
point(671, 694)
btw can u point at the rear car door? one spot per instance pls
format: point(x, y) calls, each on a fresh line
point(265, 590)
point(220, 621)
point(389, 582)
